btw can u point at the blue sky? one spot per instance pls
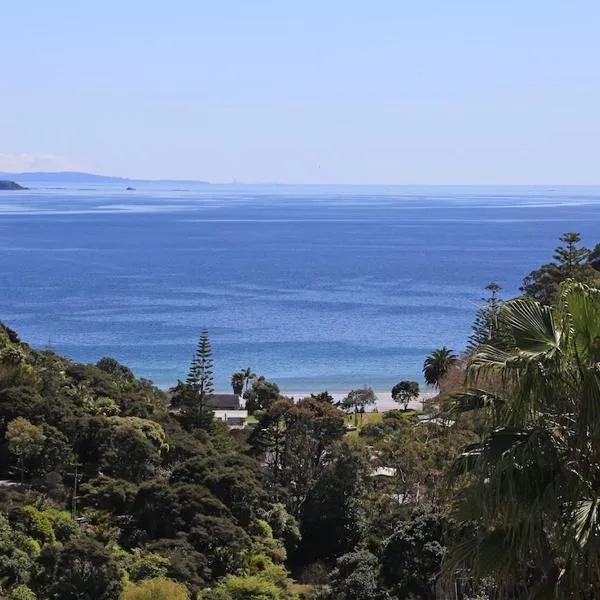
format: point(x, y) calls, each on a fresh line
point(328, 91)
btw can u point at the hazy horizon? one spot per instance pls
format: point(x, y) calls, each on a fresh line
point(125, 178)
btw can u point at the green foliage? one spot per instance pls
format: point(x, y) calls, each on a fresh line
point(489, 327)
point(393, 414)
point(195, 518)
point(412, 556)
point(532, 484)
point(284, 526)
point(293, 440)
point(83, 568)
point(392, 420)
point(25, 442)
point(155, 589)
point(9, 333)
point(357, 400)
point(334, 514)
point(185, 563)
point(121, 447)
point(18, 555)
point(405, 392)
point(165, 495)
point(251, 587)
point(37, 525)
point(324, 397)
point(55, 455)
point(12, 356)
point(572, 262)
point(147, 565)
point(261, 395)
point(108, 494)
point(230, 478)
point(264, 581)
point(356, 577)
point(21, 592)
point(116, 369)
point(62, 523)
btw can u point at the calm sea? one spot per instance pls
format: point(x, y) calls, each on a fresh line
point(316, 287)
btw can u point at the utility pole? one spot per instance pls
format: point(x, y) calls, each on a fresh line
point(76, 477)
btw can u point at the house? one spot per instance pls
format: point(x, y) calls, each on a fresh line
point(227, 407)
point(225, 402)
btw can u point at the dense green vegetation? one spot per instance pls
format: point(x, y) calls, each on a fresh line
point(114, 489)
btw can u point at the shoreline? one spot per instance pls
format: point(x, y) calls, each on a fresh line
point(384, 399)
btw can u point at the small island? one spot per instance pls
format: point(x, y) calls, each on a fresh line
point(11, 185)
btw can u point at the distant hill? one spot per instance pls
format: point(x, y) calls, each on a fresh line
point(10, 185)
point(87, 178)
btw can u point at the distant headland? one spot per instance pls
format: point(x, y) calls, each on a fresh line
point(10, 185)
point(80, 177)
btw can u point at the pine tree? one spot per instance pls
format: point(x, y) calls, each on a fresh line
point(572, 261)
point(199, 388)
point(488, 327)
point(570, 257)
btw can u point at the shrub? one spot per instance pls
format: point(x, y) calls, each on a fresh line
point(21, 592)
point(156, 589)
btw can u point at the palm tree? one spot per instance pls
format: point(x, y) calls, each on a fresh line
point(531, 502)
point(237, 382)
point(249, 376)
point(437, 364)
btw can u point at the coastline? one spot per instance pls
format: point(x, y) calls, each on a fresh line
point(384, 399)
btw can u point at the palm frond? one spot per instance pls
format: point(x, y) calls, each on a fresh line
point(473, 399)
point(586, 520)
point(533, 327)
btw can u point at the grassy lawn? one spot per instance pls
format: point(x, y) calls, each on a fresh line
point(366, 418)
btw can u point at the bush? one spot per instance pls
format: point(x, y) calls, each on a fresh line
point(393, 413)
point(156, 589)
point(373, 430)
point(63, 524)
point(21, 592)
point(396, 413)
point(38, 525)
point(237, 587)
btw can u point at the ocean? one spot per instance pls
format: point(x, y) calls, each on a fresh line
point(316, 287)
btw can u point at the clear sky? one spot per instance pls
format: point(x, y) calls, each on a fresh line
point(312, 91)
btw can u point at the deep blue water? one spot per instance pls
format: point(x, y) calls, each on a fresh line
point(316, 287)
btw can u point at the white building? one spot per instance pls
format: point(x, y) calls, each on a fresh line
point(227, 408)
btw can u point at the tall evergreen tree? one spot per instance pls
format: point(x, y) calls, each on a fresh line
point(570, 257)
point(488, 327)
point(572, 262)
point(199, 387)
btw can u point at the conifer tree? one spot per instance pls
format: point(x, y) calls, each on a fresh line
point(572, 261)
point(488, 328)
point(570, 257)
point(199, 387)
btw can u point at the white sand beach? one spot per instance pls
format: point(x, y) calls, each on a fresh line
point(384, 399)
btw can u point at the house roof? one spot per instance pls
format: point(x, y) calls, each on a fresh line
point(225, 401)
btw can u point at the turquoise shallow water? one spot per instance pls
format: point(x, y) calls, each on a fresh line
point(316, 287)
